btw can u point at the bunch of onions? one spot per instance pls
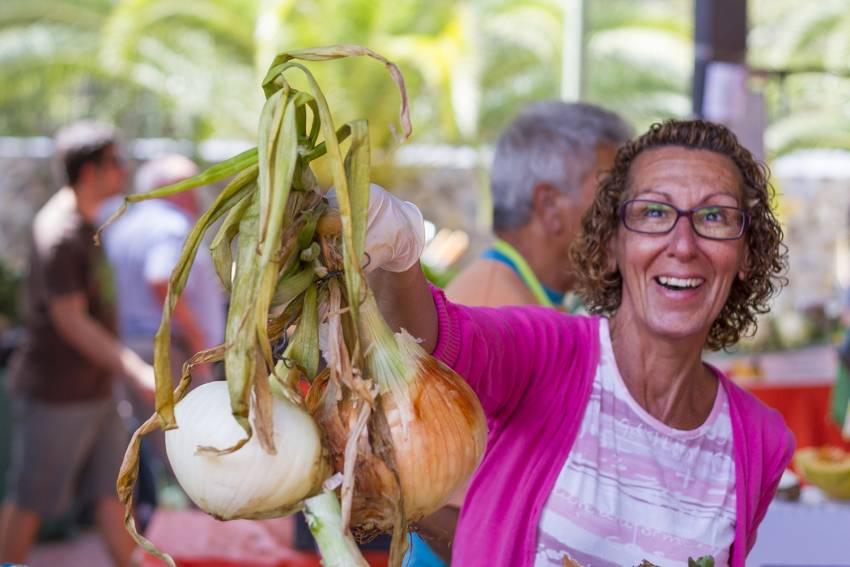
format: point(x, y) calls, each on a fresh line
point(432, 419)
point(386, 427)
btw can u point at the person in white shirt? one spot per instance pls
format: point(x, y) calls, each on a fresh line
point(144, 246)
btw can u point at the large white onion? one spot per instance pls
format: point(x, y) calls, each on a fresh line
point(248, 483)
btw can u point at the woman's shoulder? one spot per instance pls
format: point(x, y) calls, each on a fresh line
point(745, 401)
point(761, 426)
point(557, 339)
point(537, 320)
point(521, 327)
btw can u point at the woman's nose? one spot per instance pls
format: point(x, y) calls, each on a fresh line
point(683, 239)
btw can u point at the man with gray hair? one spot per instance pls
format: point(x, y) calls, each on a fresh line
point(544, 177)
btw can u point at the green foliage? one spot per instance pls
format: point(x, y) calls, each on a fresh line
point(808, 45)
point(190, 68)
point(640, 58)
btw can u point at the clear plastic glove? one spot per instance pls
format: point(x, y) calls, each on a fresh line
point(395, 231)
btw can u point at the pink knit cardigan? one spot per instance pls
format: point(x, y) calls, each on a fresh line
point(532, 368)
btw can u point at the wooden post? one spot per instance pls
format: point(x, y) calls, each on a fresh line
point(720, 34)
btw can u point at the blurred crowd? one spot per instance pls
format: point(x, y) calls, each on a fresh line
point(92, 312)
point(82, 377)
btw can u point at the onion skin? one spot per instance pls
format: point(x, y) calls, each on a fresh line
point(438, 432)
point(248, 483)
point(448, 435)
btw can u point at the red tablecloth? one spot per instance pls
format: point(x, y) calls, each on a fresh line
point(805, 408)
point(194, 539)
point(795, 382)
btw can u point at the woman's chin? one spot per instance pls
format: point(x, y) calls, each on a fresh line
point(682, 328)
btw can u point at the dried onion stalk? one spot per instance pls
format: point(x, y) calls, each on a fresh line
point(400, 429)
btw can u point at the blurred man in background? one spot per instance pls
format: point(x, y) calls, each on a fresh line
point(545, 171)
point(67, 433)
point(144, 246)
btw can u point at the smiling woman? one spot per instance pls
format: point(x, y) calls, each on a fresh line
point(710, 155)
point(611, 442)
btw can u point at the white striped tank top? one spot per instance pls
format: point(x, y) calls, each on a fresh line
point(633, 488)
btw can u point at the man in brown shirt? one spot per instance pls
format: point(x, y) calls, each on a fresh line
point(67, 432)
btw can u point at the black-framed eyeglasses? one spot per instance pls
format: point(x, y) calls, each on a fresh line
point(657, 217)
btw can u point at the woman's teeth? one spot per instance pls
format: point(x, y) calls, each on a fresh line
point(679, 283)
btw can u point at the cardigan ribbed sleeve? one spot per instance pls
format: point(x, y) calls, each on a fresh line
point(498, 350)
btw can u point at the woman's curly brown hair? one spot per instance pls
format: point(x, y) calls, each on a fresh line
point(600, 287)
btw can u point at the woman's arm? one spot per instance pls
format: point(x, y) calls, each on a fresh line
point(406, 303)
point(495, 350)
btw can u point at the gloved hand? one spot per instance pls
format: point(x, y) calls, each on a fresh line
point(395, 231)
point(395, 238)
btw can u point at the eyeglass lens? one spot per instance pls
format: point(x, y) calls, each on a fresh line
point(655, 217)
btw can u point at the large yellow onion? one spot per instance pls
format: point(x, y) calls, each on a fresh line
point(249, 482)
point(433, 419)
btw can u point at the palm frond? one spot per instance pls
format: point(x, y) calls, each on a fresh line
point(80, 15)
point(797, 38)
point(809, 129)
point(535, 29)
point(133, 19)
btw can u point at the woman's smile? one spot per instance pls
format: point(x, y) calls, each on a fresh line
point(680, 287)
